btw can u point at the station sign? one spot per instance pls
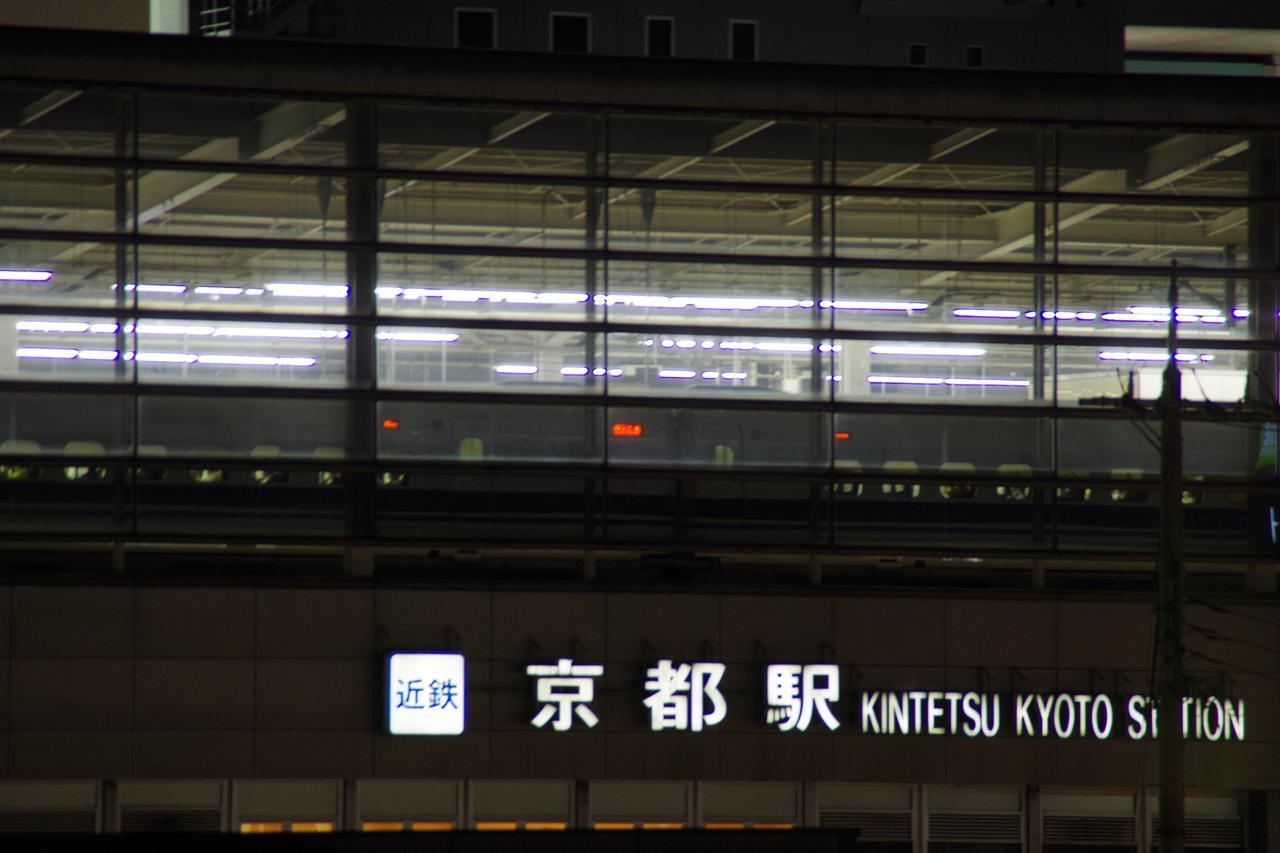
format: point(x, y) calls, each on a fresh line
point(426, 691)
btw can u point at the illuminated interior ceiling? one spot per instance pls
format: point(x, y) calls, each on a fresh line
point(1213, 41)
point(732, 221)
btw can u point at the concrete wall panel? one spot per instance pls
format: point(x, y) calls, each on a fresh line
point(545, 627)
point(70, 755)
point(63, 620)
point(978, 632)
point(896, 631)
point(436, 620)
point(195, 622)
point(193, 754)
point(311, 754)
point(316, 694)
point(71, 693)
point(194, 694)
point(464, 757)
point(315, 623)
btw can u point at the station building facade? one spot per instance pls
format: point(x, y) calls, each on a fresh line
point(695, 393)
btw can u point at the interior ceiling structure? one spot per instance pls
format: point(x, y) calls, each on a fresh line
point(1217, 41)
point(736, 220)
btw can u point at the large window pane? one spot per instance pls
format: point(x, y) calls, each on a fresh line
point(1196, 235)
point(63, 122)
point(47, 423)
point(477, 140)
point(713, 293)
point(685, 363)
point(467, 431)
point(1220, 376)
point(60, 198)
point(60, 273)
point(935, 229)
point(484, 214)
point(483, 286)
point(713, 149)
point(225, 204)
point(932, 157)
point(678, 220)
point(489, 359)
point(1153, 162)
point(84, 349)
point(869, 442)
point(227, 426)
point(266, 280)
point(200, 127)
point(711, 437)
point(239, 352)
point(935, 371)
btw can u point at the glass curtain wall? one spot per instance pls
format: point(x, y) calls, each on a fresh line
point(353, 291)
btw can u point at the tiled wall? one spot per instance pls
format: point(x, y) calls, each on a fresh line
point(201, 682)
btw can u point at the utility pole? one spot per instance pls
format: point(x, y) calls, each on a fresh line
point(1171, 682)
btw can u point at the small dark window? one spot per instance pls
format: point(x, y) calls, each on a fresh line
point(975, 56)
point(475, 28)
point(917, 54)
point(742, 40)
point(659, 37)
point(570, 33)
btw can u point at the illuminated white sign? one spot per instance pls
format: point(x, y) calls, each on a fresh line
point(565, 689)
point(688, 697)
point(1056, 715)
point(685, 697)
point(426, 693)
point(920, 712)
point(795, 692)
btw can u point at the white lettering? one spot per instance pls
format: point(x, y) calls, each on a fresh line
point(935, 711)
point(898, 719)
point(994, 728)
point(1022, 715)
point(953, 702)
point(1213, 728)
point(1044, 704)
point(917, 698)
point(1235, 719)
point(1102, 731)
point(870, 723)
point(1137, 722)
point(1082, 703)
point(974, 724)
point(1064, 726)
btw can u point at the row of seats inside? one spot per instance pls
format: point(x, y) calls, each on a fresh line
point(472, 448)
point(265, 452)
point(1010, 491)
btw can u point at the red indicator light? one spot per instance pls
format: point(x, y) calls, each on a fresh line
point(842, 436)
point(391, 423)
point(628, 430)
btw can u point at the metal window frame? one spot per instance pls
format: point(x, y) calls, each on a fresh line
point(551, 31)
point(755, 38)
point(648, 34)
point(493, 26)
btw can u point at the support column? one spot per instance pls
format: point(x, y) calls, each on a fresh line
point(1264, 253)
point(1035, 823)
point(363, 209)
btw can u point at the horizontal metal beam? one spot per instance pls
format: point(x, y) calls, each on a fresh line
point(799, 261)
point(658, 177)
point(597, 398)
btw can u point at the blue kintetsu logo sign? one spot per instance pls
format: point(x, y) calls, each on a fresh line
point(426, 693)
